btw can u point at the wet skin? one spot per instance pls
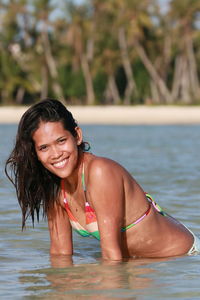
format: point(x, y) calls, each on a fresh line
point(116, 197)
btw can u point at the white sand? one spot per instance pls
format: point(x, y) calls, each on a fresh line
point(119, 114)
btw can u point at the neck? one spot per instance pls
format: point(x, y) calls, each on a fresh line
point(72, 183)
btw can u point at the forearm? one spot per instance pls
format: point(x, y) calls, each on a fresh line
point(61, 244)
point(61, 261)
point(61, 249)
point(112, 254)
point(60, 235)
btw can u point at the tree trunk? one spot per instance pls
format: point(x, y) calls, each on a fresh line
point(20, 95)
point(177, 77)
point(88, 79)
point(154, 92)
point(90, 50)
point(194, 81)
point(185, 94)
point(131, 85)
point(51, 66)
point(113, 89)
point(45, 83)
point(167, 57)
point(181, 90)
point(165, 93)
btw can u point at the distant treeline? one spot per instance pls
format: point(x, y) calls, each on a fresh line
point(100, 51)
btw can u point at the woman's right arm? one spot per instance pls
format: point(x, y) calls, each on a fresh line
point(60, 231)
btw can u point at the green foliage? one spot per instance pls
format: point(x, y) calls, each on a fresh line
point(73, 84)
point(142, 82)
point(100, 81)
point(71, 51)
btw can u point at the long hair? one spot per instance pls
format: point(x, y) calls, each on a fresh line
point(35, 185)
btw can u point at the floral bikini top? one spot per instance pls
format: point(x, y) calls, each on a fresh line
point(91, 219)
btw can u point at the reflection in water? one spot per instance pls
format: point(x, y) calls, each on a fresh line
point(165, 160)
point(105, 280)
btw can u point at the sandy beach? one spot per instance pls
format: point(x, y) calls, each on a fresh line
point(146, 115)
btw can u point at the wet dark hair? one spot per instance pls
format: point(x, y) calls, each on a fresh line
point(36, 186)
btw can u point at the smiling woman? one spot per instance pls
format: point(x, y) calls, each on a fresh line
point(35, 184)
point(56, 148)
point(96, 196)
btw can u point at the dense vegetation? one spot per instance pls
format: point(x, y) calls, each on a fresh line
point(100, 51)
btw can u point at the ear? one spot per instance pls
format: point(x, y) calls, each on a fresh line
point(79, 135)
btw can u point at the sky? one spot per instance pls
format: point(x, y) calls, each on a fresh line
point(164, 4)
point(59, 4)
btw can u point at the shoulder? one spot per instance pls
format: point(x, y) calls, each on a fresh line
point(101, 169)
point(105, 186)
point(99, 165)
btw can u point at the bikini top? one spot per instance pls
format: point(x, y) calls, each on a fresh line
point(91, 228)
point(91, 220)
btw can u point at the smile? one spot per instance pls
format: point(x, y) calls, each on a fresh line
point(60, 164)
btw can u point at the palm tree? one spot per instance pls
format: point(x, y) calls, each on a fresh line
point(42, 11)
point(107, 57)
point(79, 37)
point(142, 25)
point(131, 88)
point(14, 80)
point(183, 15)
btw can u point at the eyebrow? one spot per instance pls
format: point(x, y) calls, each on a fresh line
point(40, 146)
point(59, 138)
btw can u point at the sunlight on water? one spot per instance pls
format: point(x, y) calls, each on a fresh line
point(165, 161)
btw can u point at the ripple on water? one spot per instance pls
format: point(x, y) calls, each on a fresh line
point(165, 161)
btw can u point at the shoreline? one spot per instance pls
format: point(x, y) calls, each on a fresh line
point(118, 115)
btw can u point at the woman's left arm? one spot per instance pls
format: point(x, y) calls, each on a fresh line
point(107, 198)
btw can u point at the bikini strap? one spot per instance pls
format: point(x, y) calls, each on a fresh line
point(83, 178)
point(155, 205)
point(89, 211)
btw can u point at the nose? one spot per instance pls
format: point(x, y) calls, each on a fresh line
point(55, 152)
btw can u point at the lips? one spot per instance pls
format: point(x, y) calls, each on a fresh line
point(60, 164)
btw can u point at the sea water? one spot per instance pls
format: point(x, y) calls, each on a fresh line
point(165, 160)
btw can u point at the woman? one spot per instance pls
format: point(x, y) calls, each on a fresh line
point(94, 195)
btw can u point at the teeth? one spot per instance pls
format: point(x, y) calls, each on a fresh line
point(60, 164)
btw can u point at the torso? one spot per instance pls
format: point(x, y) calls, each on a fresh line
point(154, 236)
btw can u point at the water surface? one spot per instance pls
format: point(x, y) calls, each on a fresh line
point(165, 160)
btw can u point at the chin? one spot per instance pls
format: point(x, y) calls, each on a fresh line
point(62, 174)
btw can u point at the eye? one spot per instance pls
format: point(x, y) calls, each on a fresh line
point(62, 141)
point(43, 148)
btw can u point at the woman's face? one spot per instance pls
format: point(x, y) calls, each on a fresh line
point(56, 148)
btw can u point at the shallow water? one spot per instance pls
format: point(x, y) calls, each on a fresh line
point(165, 160)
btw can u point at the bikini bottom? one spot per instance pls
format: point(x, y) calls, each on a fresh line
point(195, 249)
